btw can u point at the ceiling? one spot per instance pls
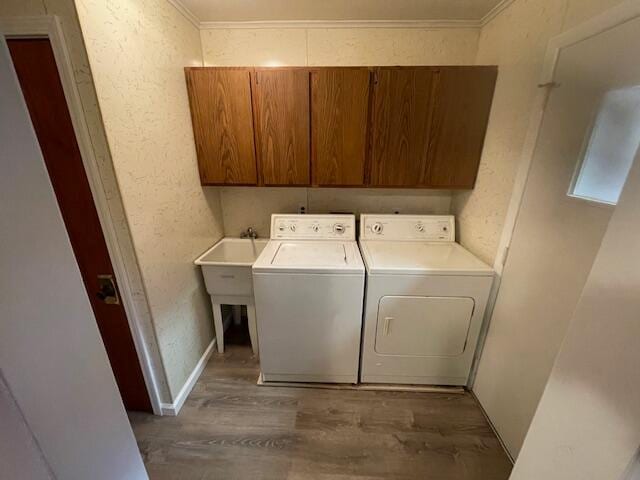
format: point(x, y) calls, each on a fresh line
point(229, 11)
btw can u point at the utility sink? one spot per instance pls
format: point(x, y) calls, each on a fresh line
point(226, 266)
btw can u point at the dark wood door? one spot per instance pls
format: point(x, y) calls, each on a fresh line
point(38, 75)
point(220, 100)
point(281, 122)
point(401, 120)
point(461, 106)
point(339, 117)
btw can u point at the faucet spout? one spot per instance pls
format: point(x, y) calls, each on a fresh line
point(249, 233)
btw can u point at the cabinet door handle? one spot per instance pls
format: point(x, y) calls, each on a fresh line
point(387, 325)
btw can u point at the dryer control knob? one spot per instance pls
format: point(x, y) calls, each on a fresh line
point(420, 227)
point(338, 228)
point(292, 227)
point(315, 227)
point(377, 228)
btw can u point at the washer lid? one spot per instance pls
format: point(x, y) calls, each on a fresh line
point(309, 256)
point(420, 258)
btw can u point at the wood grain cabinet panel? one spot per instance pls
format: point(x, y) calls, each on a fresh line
point(420, 127)
point(401, 118)
point(339, 115)
point(281, 120)
point(222, 117)
point(461, 106)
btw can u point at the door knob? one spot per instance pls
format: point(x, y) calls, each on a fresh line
point(107, 291)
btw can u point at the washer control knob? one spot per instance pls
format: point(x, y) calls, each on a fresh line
point(281, 227)
point(338, 228)
point(377, 228)
point(292, 227)
point(420, 227)
point(315, 227)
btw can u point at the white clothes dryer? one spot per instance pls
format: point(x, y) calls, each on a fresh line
point(425, 301)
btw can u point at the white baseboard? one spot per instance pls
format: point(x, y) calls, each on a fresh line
point(173, 409)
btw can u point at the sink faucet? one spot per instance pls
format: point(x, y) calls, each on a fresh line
point(249, 233)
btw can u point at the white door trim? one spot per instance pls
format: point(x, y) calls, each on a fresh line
point(49, 26)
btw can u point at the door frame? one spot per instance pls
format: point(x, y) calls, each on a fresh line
point(49, 26)
point(611, 18)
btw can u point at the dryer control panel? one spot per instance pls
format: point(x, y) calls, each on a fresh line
point(313, 227)
point(429, 228)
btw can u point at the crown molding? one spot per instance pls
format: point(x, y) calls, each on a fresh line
point(495, 11)
point(418, 24)
point(423, 24)
point(186, 13)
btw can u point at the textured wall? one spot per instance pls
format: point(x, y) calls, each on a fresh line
point(391, 46)
point(338, 46)
point(252, 207)
point(138, 50)
point(555, 238)
point(516, 41)
point(66, 12)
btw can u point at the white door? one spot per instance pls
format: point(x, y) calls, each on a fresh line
point(558, 234)
point(423, 326)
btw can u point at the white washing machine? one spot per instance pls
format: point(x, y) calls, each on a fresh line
point(309, 286)
point(425, 301)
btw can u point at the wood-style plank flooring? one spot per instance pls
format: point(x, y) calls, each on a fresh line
point(230, 428)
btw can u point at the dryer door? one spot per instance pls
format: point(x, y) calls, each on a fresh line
point(423, 326)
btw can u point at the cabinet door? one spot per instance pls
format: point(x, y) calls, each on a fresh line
point(400, 125)
point(220, 100)
point(462, 103)
point(339, 115)
point(281, 102)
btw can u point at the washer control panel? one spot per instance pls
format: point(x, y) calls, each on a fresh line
point(430, 228)
point(313, 227)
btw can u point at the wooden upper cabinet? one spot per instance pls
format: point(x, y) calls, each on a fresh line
point(461, 106)
point(339, 115)
point(401, 119)
point(421, 127)
point(281, 120)
point(221, 112)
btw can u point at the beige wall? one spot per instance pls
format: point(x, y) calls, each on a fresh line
point(516, 41)
point(244, 207)
point(339, 46)
point(588, 423)
point(252, 207)
point(66, 12)
point(137, 51)
point(556, 237)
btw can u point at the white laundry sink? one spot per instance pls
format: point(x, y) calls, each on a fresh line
point(226, 266)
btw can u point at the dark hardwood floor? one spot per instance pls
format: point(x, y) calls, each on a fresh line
point(230, 428)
